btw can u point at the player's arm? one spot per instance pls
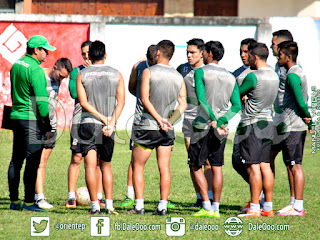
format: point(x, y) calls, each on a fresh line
point(236, 107)
point(120, 96)
point(249, 83)
point(82, 96)
point(182, 101)
point(294, 84)
point(145, 91)
point(201, 93)
point(133, 80)
point(73, 83)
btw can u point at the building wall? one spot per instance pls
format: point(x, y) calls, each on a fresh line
point(270, 8)
point(127, 39)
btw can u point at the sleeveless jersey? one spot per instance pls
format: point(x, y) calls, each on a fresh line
point(241, 73)
point(165, 86)
point(101, 83)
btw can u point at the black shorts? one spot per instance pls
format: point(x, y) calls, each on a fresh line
point(254, 149)
point(151, 139)
point(51, 142)
point(75, 139)
point(92, 138)
point(292, 148)
point(208, 147)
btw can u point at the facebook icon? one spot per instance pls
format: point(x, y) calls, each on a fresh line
point(100, 226)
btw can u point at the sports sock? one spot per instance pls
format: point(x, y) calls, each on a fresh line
point(206, 205)
point(162, 205)
point(254, 207)
point(210, 194)
point(95, 206)
point(130, 192)
point(38, 196)
point(99, 196)
point(109, 204)
point(139, 204)
point(298, 205)
point(267, 206)
point(215, 206)
point(198, 196)
point(291, 201)
point(71, 195)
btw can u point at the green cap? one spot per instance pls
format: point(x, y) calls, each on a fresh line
point(39, 41)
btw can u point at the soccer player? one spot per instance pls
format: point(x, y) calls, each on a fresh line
point(194, 54)
point(255, 130)
point(76, 156)
point(134, 89)
point(101, 94)
point(54, 76)
point(240, 74)
point(215, 89)
point(162, 86)
point(295, 116)
point(277, 38)
point(30, 120)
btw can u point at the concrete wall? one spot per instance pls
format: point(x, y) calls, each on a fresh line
point(127, 39)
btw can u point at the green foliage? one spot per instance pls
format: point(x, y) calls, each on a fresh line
point(16, 224)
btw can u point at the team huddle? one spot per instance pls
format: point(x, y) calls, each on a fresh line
point(272, 103)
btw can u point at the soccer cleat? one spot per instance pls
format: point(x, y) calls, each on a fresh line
point(111, 212)
point(102, 203)
point(292, 212)
point(15, 206)
point(162, 212)
point(134, 211)
point(216, 214)
point(96, 212)
point(250, 214)
point(42, 203)
point(245, 208)
point(267, 214)
point(197, 204)
point(285, 209)
point(128, 202)
point(170, 205)
point(34, 207)
point(204, 213)
point(71, 203)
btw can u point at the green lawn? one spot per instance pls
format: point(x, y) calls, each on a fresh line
point(16, 224)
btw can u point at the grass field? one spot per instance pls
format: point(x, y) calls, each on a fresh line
point(16, 224)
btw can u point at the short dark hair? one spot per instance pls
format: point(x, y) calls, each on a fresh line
point(151, 52)
point(64, 63)
point(97, 50)
point(289, 48)
point(216, 48)
point(259, 49)
point(30, 51)
point(283, 34)
point(247, 41)
point(196, 42)
point(86, 43)
point(166, 47)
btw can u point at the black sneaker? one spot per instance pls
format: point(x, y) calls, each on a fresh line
point(134, 211)
point(163, 212)
point(197, 204)
point(111, 212)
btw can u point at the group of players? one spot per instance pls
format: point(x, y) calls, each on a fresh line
point(204, 91)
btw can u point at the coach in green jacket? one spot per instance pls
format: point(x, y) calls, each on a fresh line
point(30, 120)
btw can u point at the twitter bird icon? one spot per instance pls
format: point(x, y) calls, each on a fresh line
point(40, 226)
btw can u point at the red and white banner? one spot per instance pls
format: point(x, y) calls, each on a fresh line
point(66, 37)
